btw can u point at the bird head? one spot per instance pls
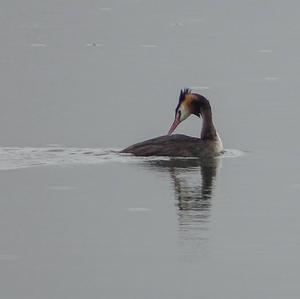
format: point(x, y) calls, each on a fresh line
point(189, 103)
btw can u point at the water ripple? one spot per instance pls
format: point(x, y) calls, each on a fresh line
point(24, 157)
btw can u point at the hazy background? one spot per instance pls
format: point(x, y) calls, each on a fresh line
point(93, 75)
point(108, 73)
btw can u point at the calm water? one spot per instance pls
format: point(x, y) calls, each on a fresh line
point(80, 78)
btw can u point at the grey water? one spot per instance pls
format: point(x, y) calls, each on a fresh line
point(81, 80)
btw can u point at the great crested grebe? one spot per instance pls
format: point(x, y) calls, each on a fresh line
point(178, 145)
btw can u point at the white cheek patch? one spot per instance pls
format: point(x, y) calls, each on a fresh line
point(184, 113)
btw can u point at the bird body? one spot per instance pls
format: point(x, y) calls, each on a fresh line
point(177, 145)
point(208, 145)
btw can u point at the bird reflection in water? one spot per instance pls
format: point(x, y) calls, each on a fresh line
point(193, 182)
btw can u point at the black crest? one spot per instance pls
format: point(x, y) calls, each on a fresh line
point(183, 93)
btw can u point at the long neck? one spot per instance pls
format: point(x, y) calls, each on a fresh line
point(208, 131)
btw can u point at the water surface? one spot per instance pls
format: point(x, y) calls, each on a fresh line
point(81, 78)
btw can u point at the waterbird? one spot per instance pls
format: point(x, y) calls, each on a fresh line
point(178, 145)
